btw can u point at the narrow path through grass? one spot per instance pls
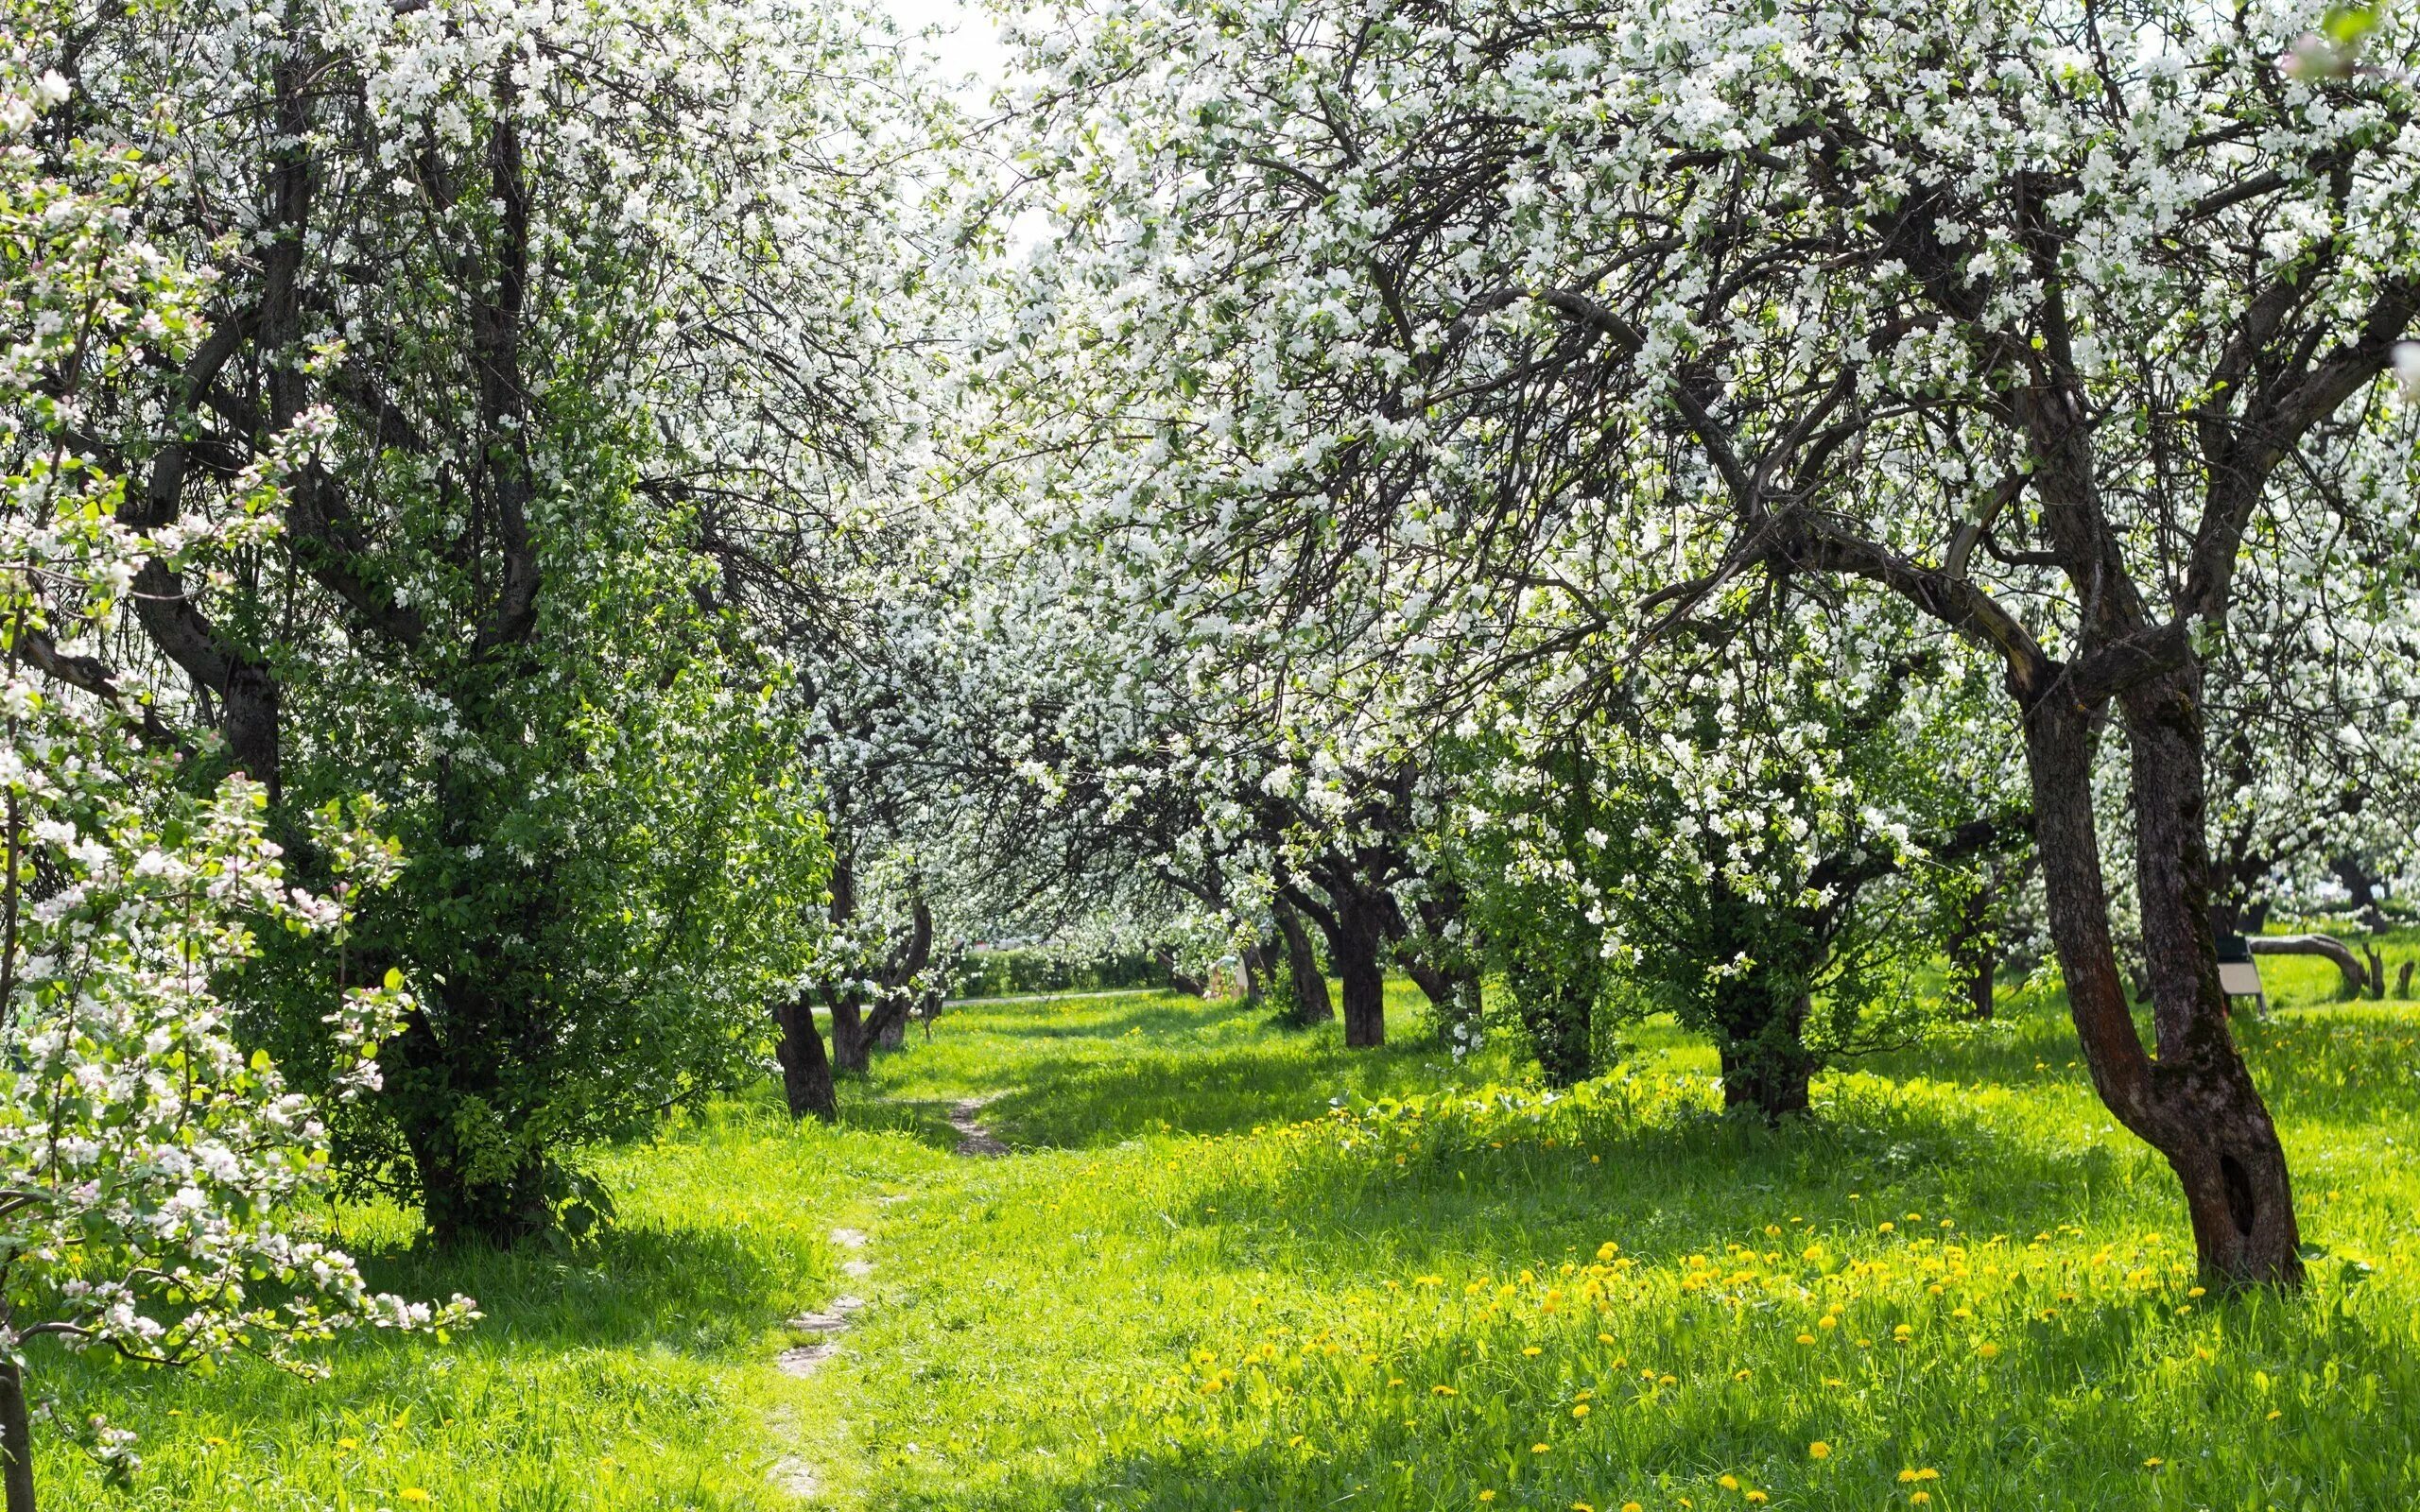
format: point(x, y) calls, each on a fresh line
point(1232, 1265)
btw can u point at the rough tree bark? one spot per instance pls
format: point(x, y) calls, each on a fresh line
point(852, 1046)
point(807, 1071)
point(16, 1440)
point(1559, 1013)
point(1311, 1002)
point(2195, 1104)
point(1355, 943)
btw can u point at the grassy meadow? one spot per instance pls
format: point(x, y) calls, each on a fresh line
point(1234, 1267)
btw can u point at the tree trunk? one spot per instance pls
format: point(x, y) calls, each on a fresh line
point(807, 1071)
point(2195, 1104)
point(1442, 988)
point(1253, 959)
point(1775, 1079)
point(463, 1209)
point(2362, 889)
point(1974, 953)
point(16, 1440)
point(1766, 1064)
point(1311, 1002)
point(852, 1048)
point(1190, 986)
point(1359, 932)
point(887, 1026)
point(1559, 1013)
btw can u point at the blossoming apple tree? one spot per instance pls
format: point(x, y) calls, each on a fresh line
point(156, 1181)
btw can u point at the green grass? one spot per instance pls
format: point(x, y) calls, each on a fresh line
point(1232, 1264)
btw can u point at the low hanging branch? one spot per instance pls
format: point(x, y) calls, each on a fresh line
point(2357, 979)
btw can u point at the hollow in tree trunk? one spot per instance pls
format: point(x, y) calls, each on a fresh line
point(807, 1071)
point(2196, 1103)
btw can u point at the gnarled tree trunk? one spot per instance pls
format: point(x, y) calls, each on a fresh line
point(1311, 1002)
point(807, 1071)
point(852, 1046)
point(1360, 930)
point(2195, 1104)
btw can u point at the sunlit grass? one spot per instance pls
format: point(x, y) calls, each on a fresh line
point(1236, 1266)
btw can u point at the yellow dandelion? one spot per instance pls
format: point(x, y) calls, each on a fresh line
point(1807, 1338)
point(1537, 1448)
point(1819, 1450)
point(348, 1443)
point(2153, 1462)
point(1581, 1411)
point(1906, 1477)
point(1487, 1496)
point(1741, 1375)
point(1988, 1350)
point(1531, 1351)
point(1756, 1498)
point(414, 1494)
point(1632, 1507)
point(1919, 1498)
point(1827, 1321)
point(1729, 1482)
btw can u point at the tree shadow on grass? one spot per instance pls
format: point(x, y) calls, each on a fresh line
point(699, 1291)
point(1091, 1103)
point(2086, 1390)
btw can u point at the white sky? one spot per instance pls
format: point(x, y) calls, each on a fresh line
point(967, 45)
